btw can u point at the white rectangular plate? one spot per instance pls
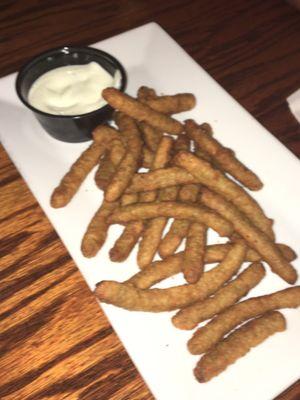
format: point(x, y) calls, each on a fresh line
point(157, 348)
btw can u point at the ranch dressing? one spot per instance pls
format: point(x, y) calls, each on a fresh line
point(72, 89)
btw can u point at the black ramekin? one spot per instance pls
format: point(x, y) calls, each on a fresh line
point(68, 128)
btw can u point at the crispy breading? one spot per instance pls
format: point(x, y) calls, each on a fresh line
point(172, 209)
point(147, 197)
point(182, 143)
point(206, 337)
point(129, 198)
point(150, 241)
point(215, 180)
point(160, 160)
point(157, 271)
point(126, 241)
point(96, 232)
point(140, 111)
point(163, 153)
point(109, 163)
point(130, 235)
point(159, 179)
point(191, 316)
point(130, 162)
point(172, 104)
point(154, 230)
point(189, 193)
point(256, 239)
point(147, 157)
point(79, 170)
point(144, 93)
point(151, 136)
point(104, 134)
point(238, 344)
point(172, 265)
point(173, 238)
point(193, 259)
point(216, 253)
point(222, 156)
point(180, 227)
point(156, 300)
point(104, 172)
point(155, 227)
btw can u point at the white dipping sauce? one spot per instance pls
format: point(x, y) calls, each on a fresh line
point(72, 89)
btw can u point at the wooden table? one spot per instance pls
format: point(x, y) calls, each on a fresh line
point(55, 341)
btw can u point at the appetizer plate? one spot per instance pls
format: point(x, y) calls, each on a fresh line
point(157, 348)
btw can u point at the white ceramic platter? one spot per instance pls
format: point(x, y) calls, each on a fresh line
point(157, 348)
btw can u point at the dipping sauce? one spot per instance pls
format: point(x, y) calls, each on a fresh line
point(72, 89)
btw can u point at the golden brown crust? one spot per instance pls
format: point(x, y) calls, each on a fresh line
point(170, 209)
point(163, 153)
point(155, 227)
point(171, 265)
point(104, 134)
point(129, 163)
point(130, 235)
point(180, 227)
point(151, 136)
point(145, 92)
point(129, 198)
point(157, 300)
point(150, 241)
point(104, 172)
point(224, 157)
point(189, 193)
point(141, 112)
point(156, 272)
point(148, 197)
point(126, 241)
point(182, 143)
point(122, 177)
point(216, 253)
point(256, 239)
point(109, 162)
point(79, 170)
point(173, 238)
point(172, 104)
point(238, 344)
point(159, 179)
point(215, 180)
point(96, 232)
point(193, 259)
point(191, 316)
point(154, 230)
point(205, 338)
point(147, 157)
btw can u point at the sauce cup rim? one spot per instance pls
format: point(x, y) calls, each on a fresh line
point(66, 49)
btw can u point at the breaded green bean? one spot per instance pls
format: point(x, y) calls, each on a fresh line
point(72, 180)
point(159, 179)
point(193, 259)
point(140, 111)
point(191, 316)
point(224, 157)
point(126, 242)
point(215, 180)
point(130, 162)
point(96, 232)
point(238, 344)
point(172, 104)
point(205, 338)
point(256, 239)
point(157, 300)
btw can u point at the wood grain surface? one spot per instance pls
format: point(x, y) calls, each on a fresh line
point(55, 341)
